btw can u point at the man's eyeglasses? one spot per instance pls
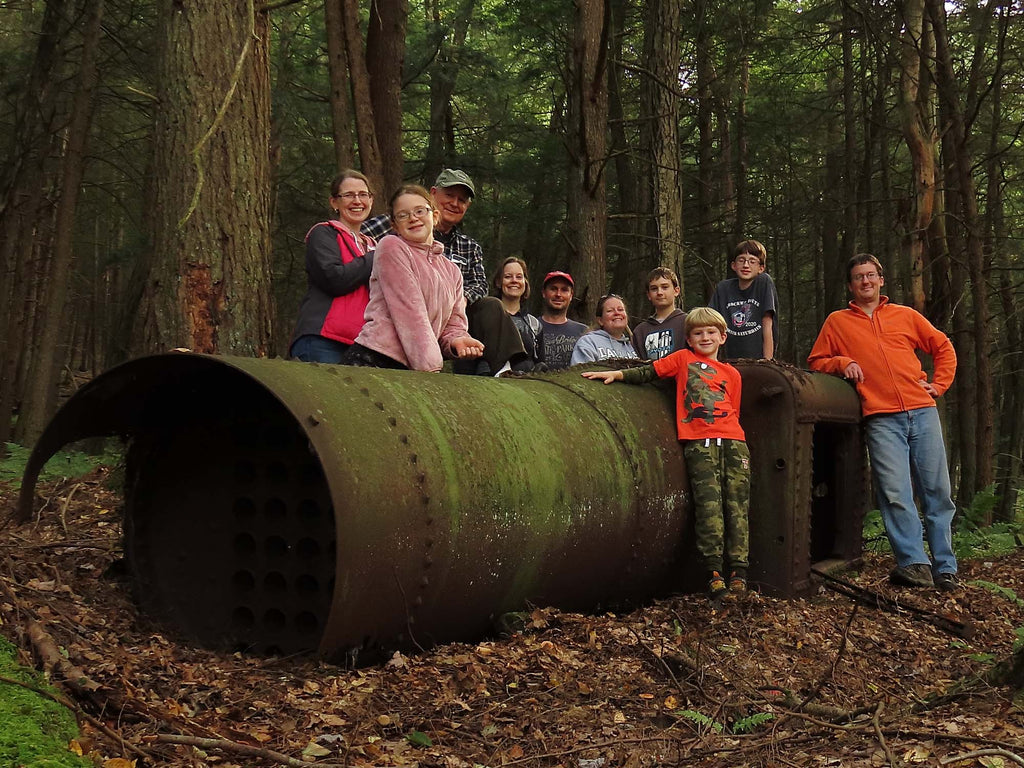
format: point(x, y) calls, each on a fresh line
point(355, 196)
point(419, 213)
point(865, 276)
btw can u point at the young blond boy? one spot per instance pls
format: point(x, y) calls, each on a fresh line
point(662, 333)
point(714, 444)
point(749, 304)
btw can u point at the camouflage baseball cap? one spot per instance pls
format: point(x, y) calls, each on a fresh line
point(451, 177)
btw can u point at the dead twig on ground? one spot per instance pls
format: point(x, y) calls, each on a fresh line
point(835, 661)
point(982, 753)
point(53, 661)
point(233, 747)
point(876, 600)
point(881, 736)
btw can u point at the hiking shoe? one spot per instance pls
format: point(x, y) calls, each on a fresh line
point(913, 575)
point(716, 586)
point(738, 580)
point(948, 582)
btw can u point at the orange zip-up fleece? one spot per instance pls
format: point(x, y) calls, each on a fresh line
point(883, 344)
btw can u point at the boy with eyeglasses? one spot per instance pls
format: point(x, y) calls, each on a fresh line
point(749, 304)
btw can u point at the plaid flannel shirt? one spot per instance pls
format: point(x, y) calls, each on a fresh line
point(460, 249)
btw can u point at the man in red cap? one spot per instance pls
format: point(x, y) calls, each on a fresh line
point(558, 333)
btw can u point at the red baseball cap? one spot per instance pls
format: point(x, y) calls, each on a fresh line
point(552, 275)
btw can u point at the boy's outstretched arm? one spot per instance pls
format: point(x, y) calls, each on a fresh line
point(606, 376)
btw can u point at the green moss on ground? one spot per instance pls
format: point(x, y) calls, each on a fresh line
point(34, 731)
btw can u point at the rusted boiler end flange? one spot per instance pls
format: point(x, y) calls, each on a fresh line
point(280, 506)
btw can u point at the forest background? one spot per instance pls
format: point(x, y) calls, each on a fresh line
point(163, 160)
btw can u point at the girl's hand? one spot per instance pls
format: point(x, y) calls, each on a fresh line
point(606, 376)
point(467, 347)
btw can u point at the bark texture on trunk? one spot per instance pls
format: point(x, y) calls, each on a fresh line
point(588, 124)
point(209, 285)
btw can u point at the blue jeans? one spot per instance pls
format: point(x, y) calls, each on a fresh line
point(907, 455)
point(317, 349)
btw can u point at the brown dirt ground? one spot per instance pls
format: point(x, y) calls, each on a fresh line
point(811, 682)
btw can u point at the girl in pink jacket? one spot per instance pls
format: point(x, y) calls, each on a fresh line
point(417, 312)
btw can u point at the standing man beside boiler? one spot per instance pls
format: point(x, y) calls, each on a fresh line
point(873, 343)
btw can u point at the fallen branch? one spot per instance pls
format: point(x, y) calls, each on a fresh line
point(875, 600)
point(982, 753)
point(54, 661)
point(233, 747)
point(835, 662)
point(881, 736)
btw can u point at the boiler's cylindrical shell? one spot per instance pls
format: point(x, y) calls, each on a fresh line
point(282, 506)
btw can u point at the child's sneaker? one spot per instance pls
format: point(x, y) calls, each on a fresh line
point(738, 580)
point(716, 586)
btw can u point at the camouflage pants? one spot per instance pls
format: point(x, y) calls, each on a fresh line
point(719, 472)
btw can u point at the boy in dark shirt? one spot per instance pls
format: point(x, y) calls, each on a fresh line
point(749, 304)
point(662, 333)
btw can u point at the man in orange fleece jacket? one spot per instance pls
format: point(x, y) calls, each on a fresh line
point(873, 343)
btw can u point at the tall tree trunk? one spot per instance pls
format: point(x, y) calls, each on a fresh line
point(628, 248)
point(588, 124)
point(385, 55)
point(706, 250)
point(742, 158)
point(443, 75)
point(850, 120)
point(209, 287)
point(22, 205)
point(362, 104)
point(977, 263)
point(660, 105)
point(920, 137)
point(1010, 468)
point(41, 390)
point(337, 75)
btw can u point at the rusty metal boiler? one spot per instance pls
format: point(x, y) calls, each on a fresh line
point(279, 506)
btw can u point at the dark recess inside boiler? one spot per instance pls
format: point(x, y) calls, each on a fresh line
point(229, 529)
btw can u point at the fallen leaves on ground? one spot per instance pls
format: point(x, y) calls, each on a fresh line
point(757, 681)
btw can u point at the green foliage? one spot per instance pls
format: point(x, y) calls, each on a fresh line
point(700, 719)
point(995, 540)
point(419, 739)
point(875, 539)
point(34, 731)
point(971, 538)
point(748, 724)
point(66, 463)
point(744, 725)
point(1009, 594)
point(980, 510)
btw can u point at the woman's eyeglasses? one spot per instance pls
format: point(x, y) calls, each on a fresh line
point(355, 196)
point(419, 213)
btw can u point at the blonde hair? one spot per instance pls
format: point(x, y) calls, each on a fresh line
point(701, 317)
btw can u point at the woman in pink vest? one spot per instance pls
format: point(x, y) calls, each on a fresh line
point(339, 260)
point(417, 310)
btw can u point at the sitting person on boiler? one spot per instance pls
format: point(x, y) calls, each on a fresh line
point(611, 339)
point(417, 311)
